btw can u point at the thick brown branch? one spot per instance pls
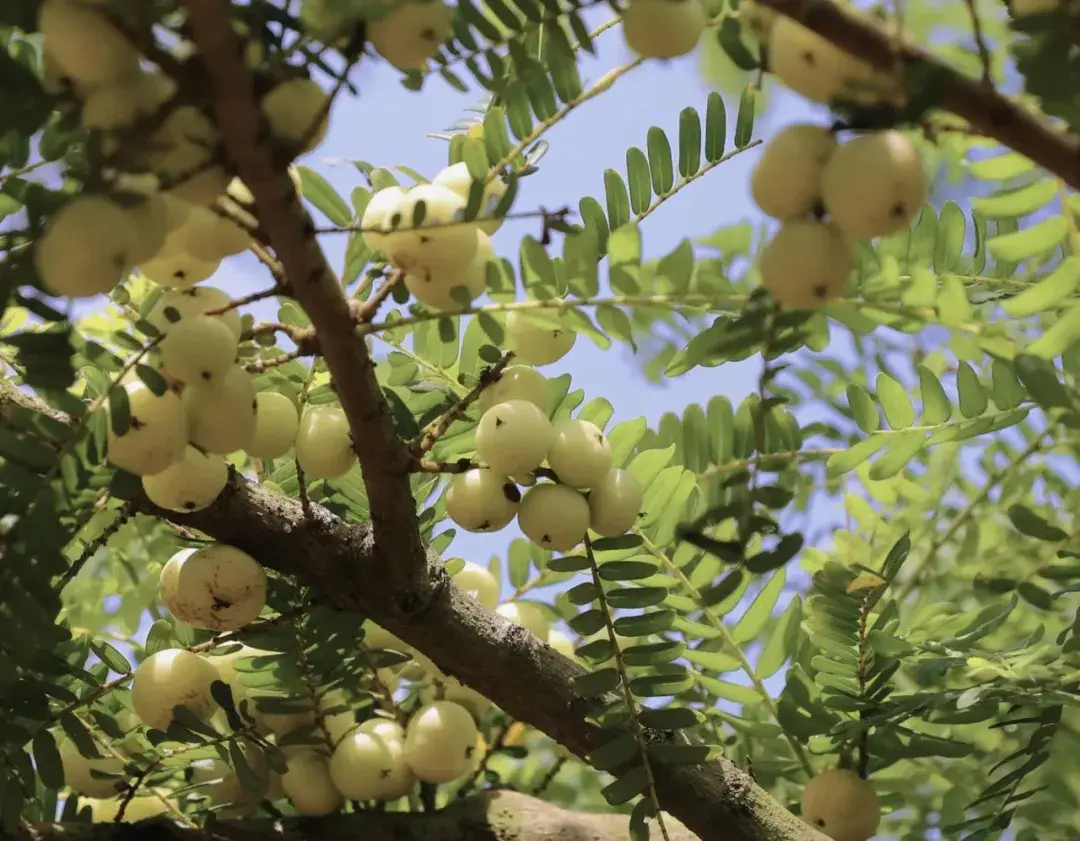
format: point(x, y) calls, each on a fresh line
point(383, 456)
point(490, 816)
point(988, 112)
point(529, 680)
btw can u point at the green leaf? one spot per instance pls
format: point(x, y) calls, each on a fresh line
point(972, 395)
point(639, 180)
point(1047, 293)
point(618, 200)
point(689, 142)
point(783, 641)
point(595, 684)
point(863, 407)
point(1029, 242)
point(841, 463)
point(1063, 333)
point(670, 718)
point(323, 197)
point(615, 753)
point(936, 407)
point(715, 128)
point(675, 754)
point(1028, 523)
point(1035, 595)
point(1016, 202)
point(894, 400)
point(951, 233)
point(47, 759)
point(1040, 379)
point(744, 122)
point(1001, 167)
point(653, 622)
point(901, 449)
point(660, 163)
point(627, 787)
point(757, 615)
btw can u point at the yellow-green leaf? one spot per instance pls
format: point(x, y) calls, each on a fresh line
point(1060, 336)
point(895, 402)
point(1051, 290)
point(1029, 242)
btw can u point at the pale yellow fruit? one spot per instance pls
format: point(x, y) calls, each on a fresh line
point(296, 111)
point(816, 69)
point(78, 771)
point(441, 242)
point(842, 805)
point(181, 152)
point(156, 436)
point(276, 426)
point(360, 764)
point(517, 382)
point(86, 249)
point(121, 103)
point(615, 503)
point(438, 287)
point(337, 724)
point(138, 808)
point(757, 19)
point(191, 484)
point(376, 220)
point(554, 517)
point(537, 344)
point(411, 33)
point(324, 448)
point(786, 183)
point(151, 219)
point(199, 349)
point(580, 453)
point(209, 237)
point(528, 616)
point(479, 583)
point(444, 688)
point(439, 742)
point(203, 188)
point(239, 192)
point(379, 639)
point(482, 500)
point(513, 437)
point(172, 678)
point(874, 185)
point(218, 587)
point(398, 780)
point(178, 304)
point(221, 413)
point(84, 44)
point(561, 643)
point(226, 664)
point(458, 178)
point(806, 264)
point(223, 787)
point(308, 786)
point(663, 28)
point(177, 269)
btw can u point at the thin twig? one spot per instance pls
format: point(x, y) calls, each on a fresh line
point(980, 43)
point(367, 310)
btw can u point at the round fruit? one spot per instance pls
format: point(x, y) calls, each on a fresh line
point(458, 178)
point(481, 500)
point(580, 453)
point(308, 786)
point(561, 642)
point(84, 44)
point(221, 413)
point(296, 111)
point(276, 426)
point(209, 237)
point(324, 448)
point(528, 616)
point(554, 516)
point(786, 183)
point(172, 678)
point(411, 33)
point(177, 269)
point(663, 28)
point(399, 779)
point(182, 147)
point(614, 504)
point(478, 583)
point(191, 484)
point(445, 688)
point(814, 68)
point(442, 241)
point(78, 772)
point(178, 304)
point(874, 185)
point(842, 805)
point(537, 344)
point(437, 287)
point(513, 437)
point(150, 220)
point(199, 349)
point(757, 19)
point(375, 222)
point(203, 188)
point(156, 436)
point(806, 264)
point(218, 587)
point(337, 723)
point(360, 765)
point(226, 663)
point(86, 248)
point(517, 382)
point(439, 742)
point(222, 786)
point(121, 103)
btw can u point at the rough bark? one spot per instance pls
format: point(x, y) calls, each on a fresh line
point(488, 816)
point(988, 112)
point(526, 678)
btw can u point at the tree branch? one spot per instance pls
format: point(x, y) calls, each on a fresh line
point(384, 459)
point(526, 678)
point(988, 112)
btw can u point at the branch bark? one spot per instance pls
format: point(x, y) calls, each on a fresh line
point(526, 678)
point(486, 816)
point(988, 112)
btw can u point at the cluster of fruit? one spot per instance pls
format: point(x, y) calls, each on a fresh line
point(516, 438)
